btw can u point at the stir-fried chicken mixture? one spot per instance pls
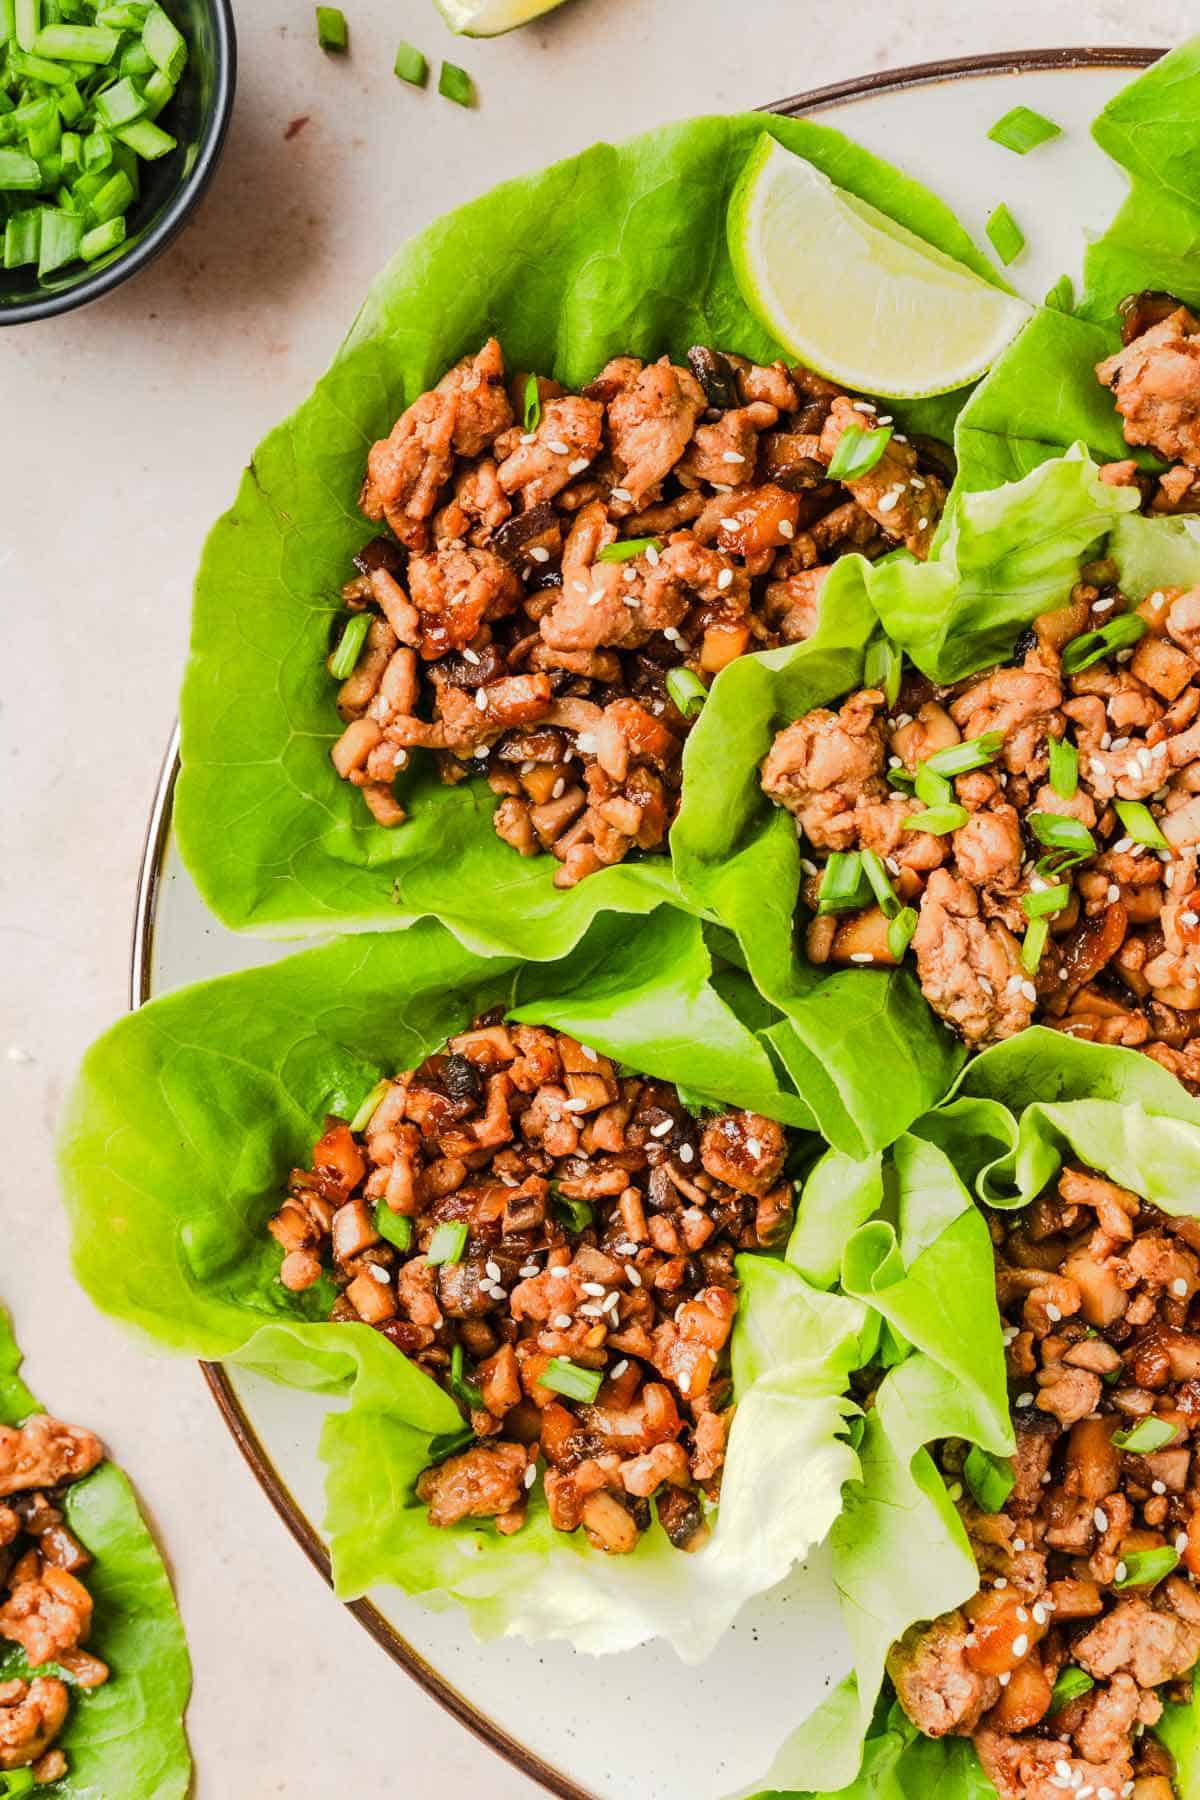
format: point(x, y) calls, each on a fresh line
point(555, 1243)
point(1155, 380)
point(568, 573)
point(45, 1609)
point(1087, 1616)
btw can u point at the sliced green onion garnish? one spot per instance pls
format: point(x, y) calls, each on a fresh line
point(844, 886)
point(857, 451)
point(1061, 297)
point(1008, 240)
point(1090, 646)
point(76, 43)
point(1140, 824)
point(370, 1106)
point(1023, 130)
point(881, 887)
point(147, 139)
point(411, 65)
point(1146, 1436)
point(533, 404)
point(1045, 902)
point(937, 819)
point(396, 1228)
point(1064, 767)
point(120, 104)
point(1145, 1568)
point(128, 15)
point(900, 932)
point(62, 234)
point(687, 691)
point(627, 548)
point(455, 84)
point(27, 16)
point(464, 1390)
point(1070, 1684)
point(900, 778)
point(1062, 834)
point(565, 1377)
point(972, 753)
point(447, 1243)
point(882, 668)
point(70, 104)
point(344, 660)
point(449, 1443)
point(1033, 944)
point(23, 238)
point(576, 1215)
point(332, 30)
point(97, 152)
point(165, 44)
point(116, 196)
point(101, 239)
point(19, 173)
point(933, 788)
point(990, 1478)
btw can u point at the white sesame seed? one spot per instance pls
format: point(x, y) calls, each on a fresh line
point(1100, 1520)
point(671, 635)
point(556, 792)
point(1022, 1614)
point(923, 523)
point(1053, 1312)
point(1120, 743)
point(611, 1303)
point(595, 597)
point(863, 406)
point(1106, 740)
point(527, 437)
point(652, 555)
point(618, 1369)
point(1189, 918)
point(590, 1310)
point(540, 554)
point(586, 743)
point(1039, 1613)
point(1018, 1543)
point(1029, 991)
point(561, 1321)
point(898, 437)
point(686, 1153)
point(786, 529)
point(400, 759)
point(861, 956)
point(622, 494)
point(662, 1129)
point(481, 751)
point(471, 656)
point(580, 587)
point(1121, 1571)
point(481, 699)
point(917, 482)
point(809, 867)
point(1009, 1335)
point(1025, 1399)
point(754, 1146)
point(558, 448)
point(1020, 1644)
point(1103, 605)
point(626, 1249)
point(530, 1475)
point(595, 1288)
point(559, 1271)
point(1158, 1487)
point(1004, 1680)
point(577, 465)
point(574, 1106)
point(725, 579)
point(733, 523)
point(887, 501)
point(382, 1276)
point(1181, 1542)
point(492, 1270)
point(1121, 845)
point(1013, 984)
point(1179, 1286)
point(635, 1279)
point(684, 1384)
point(1062, 1768)
point(528, 1270)
point(732, 456)
point(1001, 1581)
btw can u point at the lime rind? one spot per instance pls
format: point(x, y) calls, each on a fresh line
point(855, 295)
point(492, 18)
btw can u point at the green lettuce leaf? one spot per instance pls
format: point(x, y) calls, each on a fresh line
point(899, 1764)
point(126, 1737)
point(1155, 553)
point(620, 249)
point(189, 1113)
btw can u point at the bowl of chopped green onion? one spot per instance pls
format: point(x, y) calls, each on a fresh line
point(112, 117)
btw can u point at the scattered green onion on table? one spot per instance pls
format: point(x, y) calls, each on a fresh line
point(82, 85)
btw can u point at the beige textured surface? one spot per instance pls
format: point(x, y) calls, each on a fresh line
point(122, 429)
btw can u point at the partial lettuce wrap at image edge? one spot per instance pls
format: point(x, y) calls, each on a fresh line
point(620, 249)
point(185, 1122)
point(127, 1736)
point(900, 1555)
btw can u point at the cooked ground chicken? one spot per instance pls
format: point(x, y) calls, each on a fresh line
point(45, 1609)
point(1087, 1574)
point(567, 1273)
point(541, 584)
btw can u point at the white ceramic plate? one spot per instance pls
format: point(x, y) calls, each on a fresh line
point(587, 1729)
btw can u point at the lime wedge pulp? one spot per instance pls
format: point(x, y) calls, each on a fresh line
point(489, 18)
point(855, 295)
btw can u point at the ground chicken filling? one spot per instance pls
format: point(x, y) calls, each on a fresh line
point(1087, 1615)
point(1032, 832)
point(554, 1241)
point(45, 1609)
point(568, 572)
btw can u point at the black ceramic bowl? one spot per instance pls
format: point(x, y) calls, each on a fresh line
point(198, 116)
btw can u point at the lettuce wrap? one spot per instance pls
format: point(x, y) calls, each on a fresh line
point(621, 249)
point(186, 1120)
point(126, 1737)
point(900, 1555)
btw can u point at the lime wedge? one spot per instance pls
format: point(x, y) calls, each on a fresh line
point(854, 295)
point(489, 18)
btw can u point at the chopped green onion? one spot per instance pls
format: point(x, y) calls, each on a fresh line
point(882, 668)
point(900, 778)
point(1023, 130)
point(120, 104)
point(877, 875)
point(1070, 1684)
point(147, 139)
point(368, 1108)
point(1064, 768)
point(900, 932)
point(1146, 1436)
point(1045, 902)
point(62, 234)
point(18, 172)
point(75, 43)
point(972, 753)
point(114, 197)
point(933, 788)
point(1090, 646)
point(135, 60)
point(447, 1243)
point(576, 1215)
point(1061, 297)
point(127, 17)
point(38, 68)
point(70, 104)
point(1145, 1568)
point(7, 22)
point(1140, 824)
point(449, 1443)
point(23, 238)
point(687, 691)
point(1008, 240)
point(533, 403)
point(396, 1228)
point(625, 549)
point(990, 1478)
point(455, 84)
point(71, 150)
point(27, 15)
point(462, 1389)
point(16, 1781)
point(332, 31)
point(97, 151)
point(844, 886)
point(565, 1377)
point(857, 451)
point(159, 92)
point(1033, 944)
point(938, 819)
point(344, 660)
point(1062, 834)
point(411, 65)
point(165, 43)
